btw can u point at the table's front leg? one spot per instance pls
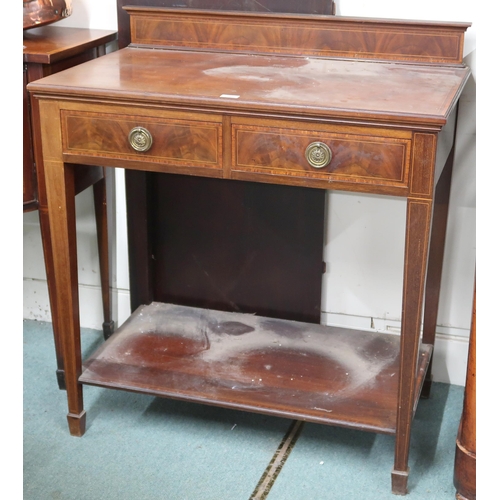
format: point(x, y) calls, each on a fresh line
point(418, 229)
point(415, 264)
point(60, 192)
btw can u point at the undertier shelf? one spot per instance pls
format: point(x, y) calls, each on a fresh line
point(316, 373)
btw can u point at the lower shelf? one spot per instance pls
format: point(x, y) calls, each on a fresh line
point(322, 374)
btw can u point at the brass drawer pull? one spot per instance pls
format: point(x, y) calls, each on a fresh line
point(140, 139)
point(318, 154)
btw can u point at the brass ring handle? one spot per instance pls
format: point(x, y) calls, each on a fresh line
point(140, 139)
point(318, 154)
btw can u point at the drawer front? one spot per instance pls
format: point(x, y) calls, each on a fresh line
point(178, 142)
point(369, 159)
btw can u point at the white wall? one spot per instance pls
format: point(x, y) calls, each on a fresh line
point(364, 234)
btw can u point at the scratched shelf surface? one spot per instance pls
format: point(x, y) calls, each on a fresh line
point(304, 371)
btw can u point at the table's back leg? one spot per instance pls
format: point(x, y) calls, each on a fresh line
point(138, 190)
point(102, 223)
point(49, 268)
point(436, 257)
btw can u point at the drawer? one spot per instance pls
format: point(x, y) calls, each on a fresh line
point(168, 140)
point(369, 158)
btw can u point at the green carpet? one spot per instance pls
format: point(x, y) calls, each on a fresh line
point(139, 447)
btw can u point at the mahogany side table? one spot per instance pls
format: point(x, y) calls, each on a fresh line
point(362, 105)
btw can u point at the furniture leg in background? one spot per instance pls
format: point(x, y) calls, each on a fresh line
point(465, 454)
point(102, 218)
point(436, 253)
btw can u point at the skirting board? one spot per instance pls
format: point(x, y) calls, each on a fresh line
point(36, 304)
point(450, 355)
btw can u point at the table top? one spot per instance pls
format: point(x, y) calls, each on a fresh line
point(337, 88)
point(49, 44)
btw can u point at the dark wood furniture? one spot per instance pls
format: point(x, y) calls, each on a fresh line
point(272, 235)
point(48, 50)
point(464, 477)
point(323, 102)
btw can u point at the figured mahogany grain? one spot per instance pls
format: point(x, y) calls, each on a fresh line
point(324, 7)
point(325, 36)
point(243, 361)
point(376, 160)
point(178, 142)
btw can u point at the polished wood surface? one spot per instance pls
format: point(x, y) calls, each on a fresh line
point(298, 86)
point(281, 99)
point(51, 44)
point(464, 477)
